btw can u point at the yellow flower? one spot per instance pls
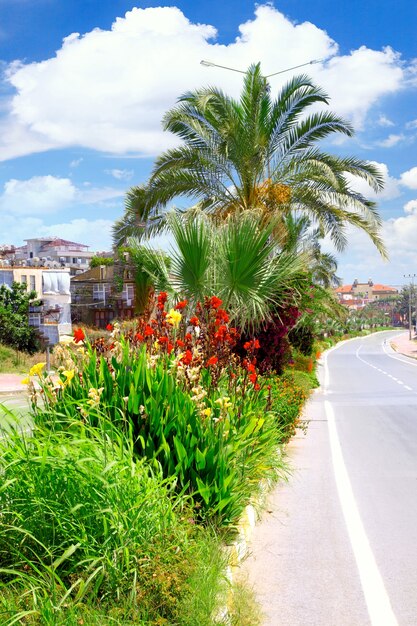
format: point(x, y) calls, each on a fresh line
point(174, 318)
point(206, 412)
point(69, 375)
point(36, 369)
point(25, 381)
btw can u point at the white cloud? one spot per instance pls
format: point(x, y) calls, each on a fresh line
point(391, 188)
point(391, 140)
point(108, 89)
point(383, 120)
point(411, 125)
point(42, 195)
point(409, 178)
point(120, 174)
point(76, 162)
point(362, 261)
point(37, 195)
point(411, 206)
point(93, 233)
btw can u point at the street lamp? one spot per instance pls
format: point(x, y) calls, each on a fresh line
point(410, 322)
point(232, 69)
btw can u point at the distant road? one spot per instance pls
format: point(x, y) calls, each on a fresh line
point(339, 545)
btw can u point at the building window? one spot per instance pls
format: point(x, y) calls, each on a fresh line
point(100, 292)
point(32, 283)
point(74, 260)
point(34, 319)
point(30, 255)
point(24, 279)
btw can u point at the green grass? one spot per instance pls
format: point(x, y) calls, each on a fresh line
point(89, 533)
point(15, 362)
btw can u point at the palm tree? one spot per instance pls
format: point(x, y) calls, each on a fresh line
point(236, 260)
point(259, 153)
point(300, 236)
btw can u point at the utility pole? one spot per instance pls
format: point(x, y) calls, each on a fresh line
point(411, 293)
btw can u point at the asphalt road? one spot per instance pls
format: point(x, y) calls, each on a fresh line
point(338, 546)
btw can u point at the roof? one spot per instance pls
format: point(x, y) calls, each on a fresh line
point(375, 287)
point(344, 289)
point(378, 287)
point(56, 241)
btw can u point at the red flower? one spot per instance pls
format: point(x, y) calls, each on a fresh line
point(194, 321)
point(139, 337)
point(188, 337)
point(251, 367)
point(187, 358)
point(212, 361)
point(180, 343)
point(253, 377)
point(162, 298)
point(181, 305)
point(252, 345)
point(149, 331)
point(163, 340)
point(109, 327)
point(257, 387)
point(170, 347)
point(221, 333)
point(79, 335)
point(221, 316)
point(215, 302)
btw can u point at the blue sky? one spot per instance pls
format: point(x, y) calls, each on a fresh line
point(84, 84)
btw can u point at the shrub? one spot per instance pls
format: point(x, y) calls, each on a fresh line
point(188, 403)
point(14, 318)
point(288, 397)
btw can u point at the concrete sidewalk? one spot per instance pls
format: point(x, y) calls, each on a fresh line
point(404, 345)
point(12, 384)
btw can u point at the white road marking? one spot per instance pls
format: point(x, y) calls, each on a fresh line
point(407, 360)
point(376, 597)
point(407, 387)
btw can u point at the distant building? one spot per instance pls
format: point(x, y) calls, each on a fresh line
point(95, 299)
point(358, 295)
point(43, 251)
point(53, 316)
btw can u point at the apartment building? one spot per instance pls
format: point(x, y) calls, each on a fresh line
point(54, 250)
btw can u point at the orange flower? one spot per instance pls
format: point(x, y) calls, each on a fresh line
point(109, 327)
point(181, 305)
point(149, 331)
point(212, 361)
point(79, 335)
point(180, 343)
point(194, 321)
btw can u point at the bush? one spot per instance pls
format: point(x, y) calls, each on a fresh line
point(188, 403)
point(288, 396)
point(275, 349)
point(15, 331)
point(83, 520)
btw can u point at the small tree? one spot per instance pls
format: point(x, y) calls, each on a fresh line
point(14, 318)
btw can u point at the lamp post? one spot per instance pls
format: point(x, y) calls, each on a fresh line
point(232, 69)
point(411, 292)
